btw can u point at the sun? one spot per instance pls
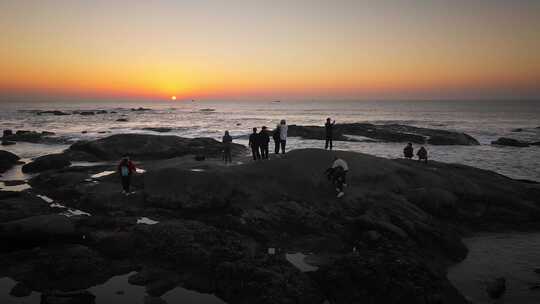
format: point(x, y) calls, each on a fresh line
point(173, 97)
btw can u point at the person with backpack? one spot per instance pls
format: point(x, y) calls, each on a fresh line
point(276, 137)
point(126, 168)
point(227, 143)
point(254, 144)
point(264, 140)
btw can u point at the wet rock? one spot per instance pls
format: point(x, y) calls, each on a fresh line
point(39, 229)
point(140, 109)
point(145, 146)
point(8, 143)
point(87, 113)
point(504, 141)
point(74, 297)
point(20, 290)
point(154, 300)
point(535, 143)
point(517, 130)
point(496, 288)
point(122, 119)
point(7, 133)
point(55, 112)
point(265, 281)
point(372, 236)
point(390, 133)
point(32, 136)
point(158, 129)
point(47, 162)
point(7, 160)
point(537, 270)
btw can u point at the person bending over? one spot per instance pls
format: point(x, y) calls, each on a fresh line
point(422, 154)
point(408, 151)
point(338, 175)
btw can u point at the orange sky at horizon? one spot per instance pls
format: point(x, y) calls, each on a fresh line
point(254, 49)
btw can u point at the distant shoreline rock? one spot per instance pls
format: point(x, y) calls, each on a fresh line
point(7, 160)
point(388, 133)
point(505, 141)
point(46, 162)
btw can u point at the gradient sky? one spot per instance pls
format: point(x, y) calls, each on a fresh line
point(274, 49)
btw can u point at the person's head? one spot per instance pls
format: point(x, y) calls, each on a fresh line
point(283, 122)
point(328, 119)
point(409, 144)
point(254, 130)
point(227, 133)
point(263, 128)
point(125, 157)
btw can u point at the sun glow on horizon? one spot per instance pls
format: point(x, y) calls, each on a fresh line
point(173, 97)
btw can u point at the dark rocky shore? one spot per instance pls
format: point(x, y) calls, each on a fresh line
point(389, 240)
point(388, 133)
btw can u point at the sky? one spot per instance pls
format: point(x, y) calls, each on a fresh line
point(274, 49)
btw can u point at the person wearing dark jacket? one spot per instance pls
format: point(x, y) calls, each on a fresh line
point(254, 144)
point(275, 136)
point(264, 140)
point(329, 127)
point(408, 151)
point(227, 143)
point(422, 154)
point(126, 168)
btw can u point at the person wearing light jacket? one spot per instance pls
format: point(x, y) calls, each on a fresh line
point(283, 135)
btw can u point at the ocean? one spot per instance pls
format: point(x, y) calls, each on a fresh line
point(484, 120)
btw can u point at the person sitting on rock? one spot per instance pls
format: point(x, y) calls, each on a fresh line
point(254, 144)
point(408, 151)
point(126, 168)
point(227, 143)
point(422, 154)
point(338, 175)
point(264, 140)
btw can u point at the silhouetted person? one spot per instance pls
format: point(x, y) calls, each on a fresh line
point(408, 151)
point(283, 135)
point(329, 128)
point(422, 154)
point(338, 175)
point(264, 140)
point(254, 144)
point(276, 137)
point(125, 169)
point(227, 145)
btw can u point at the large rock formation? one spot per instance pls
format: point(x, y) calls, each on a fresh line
point(505, 141)
point(47, 162)
point(389, 133)
point(144, 146)
point(388, 240)
point(7, 160)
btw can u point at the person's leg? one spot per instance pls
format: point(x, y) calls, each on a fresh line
point(283, 144)
point(326, 143)
point(331, 142)
point(276, 146)
point(254, 153)
point(124, 184)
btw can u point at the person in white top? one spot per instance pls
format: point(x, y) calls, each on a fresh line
point(338, 174)
point(283, 135)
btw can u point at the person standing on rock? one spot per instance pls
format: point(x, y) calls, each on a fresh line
point(329, 126)
point(264, 139)
point(227, 143)
point(283, 135)
point(276, 137)
point(126, 168)
point(422, 154)
point(408, 151)
point(338, 175)
point(254, 144)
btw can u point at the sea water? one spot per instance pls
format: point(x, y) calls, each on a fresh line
point(484, 120)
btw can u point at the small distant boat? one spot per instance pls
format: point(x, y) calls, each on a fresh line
point(276, 100)
point(207, 110)
point(193, 100)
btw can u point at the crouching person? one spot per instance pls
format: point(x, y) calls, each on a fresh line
point(337, 174)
